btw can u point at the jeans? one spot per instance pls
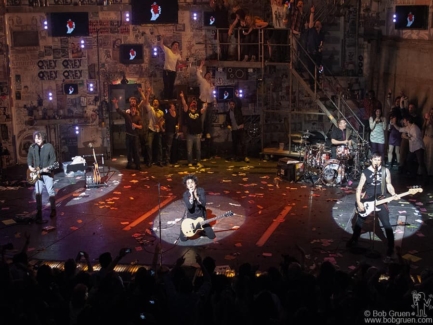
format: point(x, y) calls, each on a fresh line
point(48, 181)
point(193, 140)
point(169, 156)
point(133, 149)
point(153, 138)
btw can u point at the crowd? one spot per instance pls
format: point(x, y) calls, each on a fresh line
point(289, 293)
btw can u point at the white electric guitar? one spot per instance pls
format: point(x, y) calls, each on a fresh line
point(369, 205)
point(189, 227)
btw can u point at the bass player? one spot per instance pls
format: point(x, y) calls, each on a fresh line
point(41, 156)
point(195, 202)
point(371, 181)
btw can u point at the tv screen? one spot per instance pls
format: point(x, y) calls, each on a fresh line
point(225, 93)
point(411, 17)
point(69, 24)
point(70, 89)
point(209, 19)
point(154, 12)
point(131, 54)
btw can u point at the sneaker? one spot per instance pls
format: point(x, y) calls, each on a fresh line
point(247, 160)
point(189, 165)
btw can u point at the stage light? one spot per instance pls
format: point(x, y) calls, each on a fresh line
point(50, 96)
point(77, 130)
point(194, 16)
point(127, 16)
point(241, 93)
point(394, 18)
point(155, 52)
point(82, 44)
point(45, 24)
point(214, 93)
point(90, 87)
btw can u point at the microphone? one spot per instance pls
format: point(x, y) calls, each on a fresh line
point(376, 167)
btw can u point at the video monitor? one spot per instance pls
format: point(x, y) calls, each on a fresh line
point(70, 89)
point(154, 12)
point(209, 19)
point(411, 17)
point(70, 24)
point(225, 93)
point(131, 54)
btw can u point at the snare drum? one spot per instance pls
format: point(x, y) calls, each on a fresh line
point(343, 152)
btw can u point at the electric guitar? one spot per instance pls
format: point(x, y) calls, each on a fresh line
point(96, 174)
point(189, 227)
point(32, 177)
point(369, 205)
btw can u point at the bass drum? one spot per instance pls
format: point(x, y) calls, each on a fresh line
point(331, 172)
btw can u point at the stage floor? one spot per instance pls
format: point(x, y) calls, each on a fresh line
point(270, 218)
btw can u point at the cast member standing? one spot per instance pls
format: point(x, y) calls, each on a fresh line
point(194, 199)
point(41, 155)
point(133, 129)
point(371, 183)
point(221, 8)
point(412, 132)
point(206, 98)
point(394, 141)
point(378, 125)
point(172, 57)
point(428, 140)
point(155, 128)
point(192, 120)
point(235, 122)
point(171, 128)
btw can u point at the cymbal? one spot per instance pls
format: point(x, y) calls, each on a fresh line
point(300, 141)
point(307, 133)
point(299, 135)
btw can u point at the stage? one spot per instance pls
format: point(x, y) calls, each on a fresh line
point(269, 217)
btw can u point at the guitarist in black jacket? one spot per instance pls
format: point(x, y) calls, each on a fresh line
point(42, 157)
point(195, 202)
point(371, 181)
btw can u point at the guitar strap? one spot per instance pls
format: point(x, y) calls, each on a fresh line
point(383, 181)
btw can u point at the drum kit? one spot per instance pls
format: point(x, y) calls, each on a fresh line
point(318, 162)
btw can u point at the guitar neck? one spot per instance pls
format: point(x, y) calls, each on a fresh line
point(204, 222)
point(389, 199)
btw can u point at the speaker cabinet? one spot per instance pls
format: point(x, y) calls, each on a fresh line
point(237, 73)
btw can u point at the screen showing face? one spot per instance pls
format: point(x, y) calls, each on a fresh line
point(154, 12)
point(70, 89)
point(131, 54)
point(209, 19)
point(69, 24)
point(411, 17)
point(225, 93)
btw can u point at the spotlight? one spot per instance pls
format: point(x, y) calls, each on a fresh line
point(241, 93)
point(155, 52)
point(45, 24)
point(127, 16)
point(82, 44)
point(90, 87)
point(77, 130)
point(50, 96)
point(214, 93)
point(194, 16)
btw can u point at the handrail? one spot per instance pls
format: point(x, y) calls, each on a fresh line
point(332, 83)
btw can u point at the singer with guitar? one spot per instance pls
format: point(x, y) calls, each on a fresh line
point(42, 156)
point(374, 180)
point(195, 202)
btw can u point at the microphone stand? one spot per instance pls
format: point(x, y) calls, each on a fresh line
point(160, 230)
point(373, 253)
